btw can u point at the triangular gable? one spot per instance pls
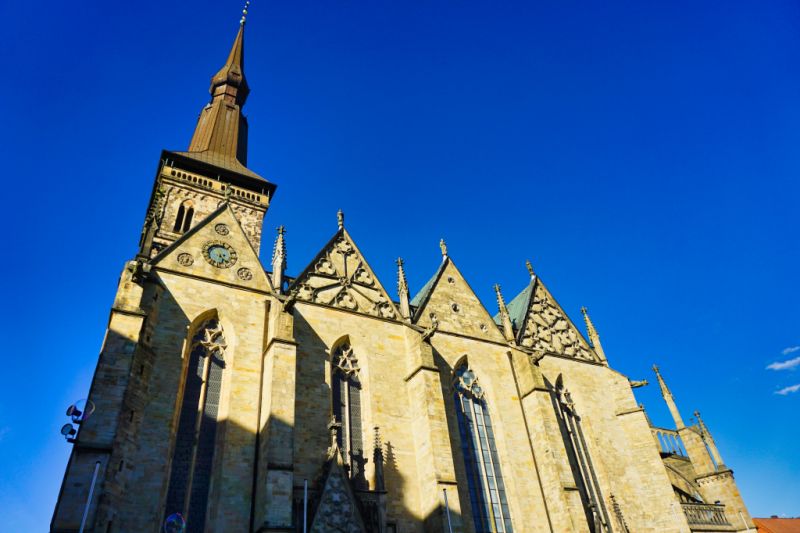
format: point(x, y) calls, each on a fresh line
point(338, 509)
point(546, 328)
point(339, 276)
point(455, 305)
point(192, 252)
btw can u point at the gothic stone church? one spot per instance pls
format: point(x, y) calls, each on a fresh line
point(248, 400)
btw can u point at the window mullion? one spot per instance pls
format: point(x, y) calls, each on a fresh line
point(197, 427)
point(346, 415)
point(484, 478)
point(494, 471)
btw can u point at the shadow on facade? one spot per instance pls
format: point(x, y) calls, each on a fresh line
point(138, 391)
point(445, 376)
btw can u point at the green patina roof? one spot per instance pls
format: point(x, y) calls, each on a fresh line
point(423, 294)
point(517, 307)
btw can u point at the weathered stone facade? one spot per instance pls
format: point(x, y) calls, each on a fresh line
point(453, 420)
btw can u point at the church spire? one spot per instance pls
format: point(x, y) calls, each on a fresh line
point(505, 318)
point(221, 128)
point(593, 335)
point(402, 289)
point(279, 260)
point(673, 408)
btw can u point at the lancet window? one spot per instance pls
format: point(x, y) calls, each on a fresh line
point(487, 491)
point(190, 472)
point(346, 403)
point(183, 221)
point(580, 460)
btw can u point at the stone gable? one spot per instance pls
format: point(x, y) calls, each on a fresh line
point(456, 307)
point(192, 253)
point(546, 328)
point(339, 276)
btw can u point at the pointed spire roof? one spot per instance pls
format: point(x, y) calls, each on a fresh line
point(220, 137)
point(594, 337)
point(402, 289)
point(669, 399)
point(505, 320)
point(232, 72)
point(279, 260)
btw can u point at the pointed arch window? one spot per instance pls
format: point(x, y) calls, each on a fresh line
point(183, 221)
point(580, 460)
point(190, 472)
point(487, 492)
point(346, 404)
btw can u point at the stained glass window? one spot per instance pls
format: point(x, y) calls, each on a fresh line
point(190, 473)
point(487, 491)
point(346, 400)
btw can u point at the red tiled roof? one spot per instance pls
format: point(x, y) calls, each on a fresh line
point(777, 525)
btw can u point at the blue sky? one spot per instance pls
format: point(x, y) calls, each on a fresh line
point(642, 154)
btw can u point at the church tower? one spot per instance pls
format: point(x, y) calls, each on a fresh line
point(191, 184)
point(157, 424)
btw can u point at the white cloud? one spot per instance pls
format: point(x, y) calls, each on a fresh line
point(790, 349)
point(785, 365)
point(788, 390)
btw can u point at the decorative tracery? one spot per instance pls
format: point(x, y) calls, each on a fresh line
point(487, 494)
point(340, 277)
point(346, 361)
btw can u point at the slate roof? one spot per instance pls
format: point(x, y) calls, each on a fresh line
point(419, 300)
point(518, 307)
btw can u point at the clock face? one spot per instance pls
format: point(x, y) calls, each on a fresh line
point(219, 254)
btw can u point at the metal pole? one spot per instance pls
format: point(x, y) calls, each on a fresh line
point(447, 511)
point(746, 527)
point(89, 498)
point(305, 505)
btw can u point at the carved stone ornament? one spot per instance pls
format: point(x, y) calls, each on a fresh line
point(340, 277)
point(220, 254)
point(548, 330)
point(222, 229)
point(244, 274)
point(345, 360)
point(466, 382)
point(185, 259)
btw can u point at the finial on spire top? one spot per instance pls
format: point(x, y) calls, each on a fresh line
point(530, 268)
point(244, 13)
point(279, 259)
point(501, 303)
point(508, 326)
point(594, 337)
point(443, 247)
point(340, 218)
point(669, 399)
point(402, 289)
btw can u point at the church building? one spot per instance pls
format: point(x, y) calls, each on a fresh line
point(230, 397)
